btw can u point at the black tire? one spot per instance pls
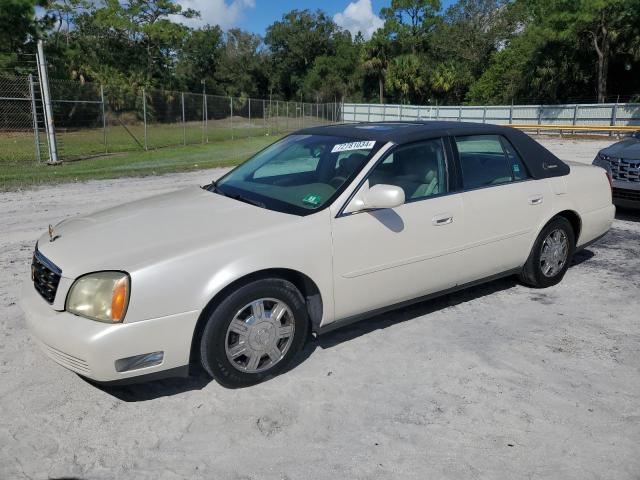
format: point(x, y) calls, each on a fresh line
point(532, 273)
point(214, 336)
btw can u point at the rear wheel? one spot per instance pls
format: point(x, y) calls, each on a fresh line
point(254, 333)
point(551, 254)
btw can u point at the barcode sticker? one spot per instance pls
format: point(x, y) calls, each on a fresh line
point(345, 147)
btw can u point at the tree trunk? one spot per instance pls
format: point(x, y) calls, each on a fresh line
point(602, 50)
point(381, 86)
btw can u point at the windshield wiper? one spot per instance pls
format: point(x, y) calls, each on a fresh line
point(213, 187)
point(240, 198)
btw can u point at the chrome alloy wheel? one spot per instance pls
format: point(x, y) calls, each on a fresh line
point(259, 335)
point(554, 253)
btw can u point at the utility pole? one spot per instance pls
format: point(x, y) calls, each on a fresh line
point(48, 111)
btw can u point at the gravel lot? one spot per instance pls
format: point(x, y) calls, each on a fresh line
point(500, 381)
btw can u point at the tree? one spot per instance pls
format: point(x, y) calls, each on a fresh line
point(18, 30)
point(375, 59)
point(199, 58)
point(294, 43)
point(406, 77)
point(333, 76)
point(410, 22)
point(604, 23)
point(243, 68)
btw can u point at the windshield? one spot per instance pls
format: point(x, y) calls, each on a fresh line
point(299, 174)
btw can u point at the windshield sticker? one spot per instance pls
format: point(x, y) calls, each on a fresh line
point(345, 147)
point(311, 199)
point(516, 168)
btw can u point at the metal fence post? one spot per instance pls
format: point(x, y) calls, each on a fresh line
point(204, 114)
point(511, 113)
point(206, 117)
point(144, 117)
point(614, 116)
point(484, 115)
point(231, 116)
point(575, 117)
point(286, 125)
point(460, 113)
point(277, 114)
point(539, 118)
point(249, 100)
point(184, 124)
point(34, 114)
point(46, 98)
point(104, 120)
point(264, 116)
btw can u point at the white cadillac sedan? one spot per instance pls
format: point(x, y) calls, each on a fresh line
point(322, 228)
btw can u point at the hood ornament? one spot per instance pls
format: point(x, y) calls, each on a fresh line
point(52, 234)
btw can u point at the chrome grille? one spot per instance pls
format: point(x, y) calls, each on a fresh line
point(625, 169)
point(45, 276)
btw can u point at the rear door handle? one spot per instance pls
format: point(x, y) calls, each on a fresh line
point(535, 200)
point(444, 219)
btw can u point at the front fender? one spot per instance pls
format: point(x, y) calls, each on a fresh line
point(188, 282)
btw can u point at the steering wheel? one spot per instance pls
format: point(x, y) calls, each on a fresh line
point(336, 182)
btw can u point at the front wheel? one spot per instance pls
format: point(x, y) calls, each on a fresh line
point(551, 254)
point(254, 333)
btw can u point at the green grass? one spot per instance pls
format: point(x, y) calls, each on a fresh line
point(19, 147)
point(221, 153)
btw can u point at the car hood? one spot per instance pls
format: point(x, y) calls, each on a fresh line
point(629, 149)
point(154, 229)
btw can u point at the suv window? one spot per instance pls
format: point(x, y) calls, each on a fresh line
point(419, 169)
point(488, 160)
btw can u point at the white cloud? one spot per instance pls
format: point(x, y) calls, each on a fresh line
point(359, 17)
point(215, 12)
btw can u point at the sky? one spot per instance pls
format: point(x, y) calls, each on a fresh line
point(257, 15)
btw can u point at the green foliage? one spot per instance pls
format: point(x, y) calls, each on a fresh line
point(18, 30)
point(295, 42)
point(332, 77)
point(407, 78)
point(409, 22)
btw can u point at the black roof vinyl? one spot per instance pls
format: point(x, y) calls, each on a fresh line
point(540, 162)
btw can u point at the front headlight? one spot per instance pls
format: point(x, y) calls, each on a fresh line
point(101, 296)
point(603, 161)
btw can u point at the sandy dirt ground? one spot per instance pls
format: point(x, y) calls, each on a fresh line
point(497, 382)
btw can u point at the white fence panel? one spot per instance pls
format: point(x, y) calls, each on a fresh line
point(601, 114)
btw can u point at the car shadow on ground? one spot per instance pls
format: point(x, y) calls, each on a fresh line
point(199, 379)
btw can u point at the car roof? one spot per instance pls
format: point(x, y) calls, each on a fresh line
point(540, 162)
point(402, 132)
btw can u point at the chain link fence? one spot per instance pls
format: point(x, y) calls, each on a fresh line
point(92, 120)
point(18, 136)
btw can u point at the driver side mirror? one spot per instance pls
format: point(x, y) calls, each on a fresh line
point(377, 197)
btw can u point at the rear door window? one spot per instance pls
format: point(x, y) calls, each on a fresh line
point(488, 160)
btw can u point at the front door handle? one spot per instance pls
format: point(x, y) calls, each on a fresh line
point(535, 200)
point(440, 220)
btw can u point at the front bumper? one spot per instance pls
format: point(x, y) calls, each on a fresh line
point(91, 348)
point(626, 194)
